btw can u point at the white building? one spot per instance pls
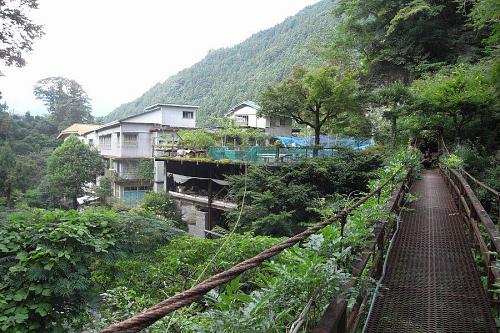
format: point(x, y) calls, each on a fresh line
point(125, 142)
point(245, 115)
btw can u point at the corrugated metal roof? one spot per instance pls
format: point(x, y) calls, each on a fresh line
point(251, 104)
point(78, 129)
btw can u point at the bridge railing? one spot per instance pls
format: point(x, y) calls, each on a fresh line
point(483, 233)
point(338, 317)
point(492, 195)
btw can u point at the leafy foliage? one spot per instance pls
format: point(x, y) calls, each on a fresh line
point(145, 171)
point(18, 31)
point(397, 40)
point(484, 16)
point(453, 161)
point(458, 96)
point(65, 99)
point(48, 261)
point(198, 138)
point(25, 144)
point(313, 98)
point(278, 202)
point(160, 203)
point(267, 299)
point(395, 98)
point(72, 165)
point(45, 266)
point(104, 189)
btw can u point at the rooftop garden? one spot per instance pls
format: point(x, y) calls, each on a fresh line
point(252, 145)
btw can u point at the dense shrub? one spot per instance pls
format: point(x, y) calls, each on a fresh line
point(47, 259)
point(45, 264)
point(279, 201)
point(160, 203)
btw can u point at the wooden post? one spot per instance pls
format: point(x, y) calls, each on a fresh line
point(491, 277)
point(210, 199)
point(380, 250)
point(342, 328)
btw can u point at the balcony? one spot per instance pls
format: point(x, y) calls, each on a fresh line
point(123, 176)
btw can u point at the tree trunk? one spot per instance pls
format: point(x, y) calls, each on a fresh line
point(317, 130)
point(457, 126)
point(317, 134)
point(75, 202)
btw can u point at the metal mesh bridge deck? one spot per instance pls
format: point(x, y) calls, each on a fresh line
point(431, 283)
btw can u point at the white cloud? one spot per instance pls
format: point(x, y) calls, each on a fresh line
point(117, 49)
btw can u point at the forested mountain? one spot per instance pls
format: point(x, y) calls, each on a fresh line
point(230, 75)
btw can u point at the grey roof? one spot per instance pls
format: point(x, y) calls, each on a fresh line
point(157, 105)
point(251, 104)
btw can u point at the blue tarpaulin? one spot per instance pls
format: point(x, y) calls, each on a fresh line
point(326, 141)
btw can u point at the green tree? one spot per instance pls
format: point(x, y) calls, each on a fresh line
point(398, 40)
point(7, 171)
point(456, 96)
point(104, 189)
point(17, 32)
point(72, 165)
point(198, 138)
point(395, 98)
point(145, 171)
point(65, 100)
point(485, 15)
point(313, 98)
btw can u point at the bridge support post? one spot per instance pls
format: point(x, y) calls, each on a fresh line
point(380, 254)
point(209, 214)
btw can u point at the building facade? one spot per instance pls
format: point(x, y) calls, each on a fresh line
point(245, 114)
point(124, 143)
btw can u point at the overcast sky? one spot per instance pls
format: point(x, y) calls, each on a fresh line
point(117, 49)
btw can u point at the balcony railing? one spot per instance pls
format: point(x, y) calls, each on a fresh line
point(123, 175)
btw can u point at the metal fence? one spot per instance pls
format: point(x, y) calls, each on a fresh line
point(268, 154)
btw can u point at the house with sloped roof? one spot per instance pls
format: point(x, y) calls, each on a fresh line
point(124, 143)
point(245, 114)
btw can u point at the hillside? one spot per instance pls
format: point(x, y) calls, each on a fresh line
point(230, 75)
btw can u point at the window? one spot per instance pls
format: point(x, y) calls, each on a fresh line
point(105, 141)
point(242, 120)
point(283, 121)
point(129, 140)
point(135, 193)
point(129, 168)
point(187, 114)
